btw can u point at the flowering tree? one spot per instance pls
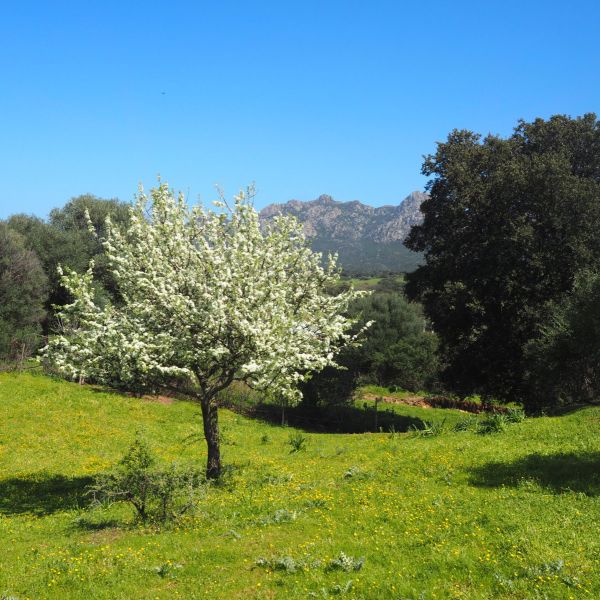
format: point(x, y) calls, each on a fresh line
point(206, 298)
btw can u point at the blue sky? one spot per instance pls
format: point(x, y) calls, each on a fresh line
point(303, 97)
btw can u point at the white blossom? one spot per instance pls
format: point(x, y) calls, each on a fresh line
point(206, 296)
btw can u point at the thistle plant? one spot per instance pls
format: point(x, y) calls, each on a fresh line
point(207, 297)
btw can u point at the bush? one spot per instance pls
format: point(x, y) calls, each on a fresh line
point(345, 563)
point(329, 387)
point(466, 424)
point(297, 441)
point(564, 362)
point(399, 348)
point(495, 423)
point(23, 290)
point(515, 415)
point(159, 495)
point(429, 428)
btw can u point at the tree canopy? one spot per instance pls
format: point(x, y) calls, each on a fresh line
point(508, 225)
point(564, 361)
point(23, 289)
point(66, 240)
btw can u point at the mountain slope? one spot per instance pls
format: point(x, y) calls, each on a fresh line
point(366, 238)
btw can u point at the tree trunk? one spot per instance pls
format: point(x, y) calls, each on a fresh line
point(210, 418)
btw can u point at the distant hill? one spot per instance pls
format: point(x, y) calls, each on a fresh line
point(367, 238)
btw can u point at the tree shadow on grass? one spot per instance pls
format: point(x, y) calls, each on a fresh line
point(562, 472)
point(334, 419)
point(42, 494)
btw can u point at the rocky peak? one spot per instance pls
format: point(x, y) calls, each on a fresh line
point(330, 219)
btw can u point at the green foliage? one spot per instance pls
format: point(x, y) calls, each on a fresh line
point(515, 415)
point(346, 563)
point(282, 515)
point(297, 442)
point(494, 423)
point(65, 240)
point(508, 224)
point(23, 289)
point(158, 495)
point(429, 428)
point(167, 569)
point(355, 473)
point(565, 359)
point(468, 423)
point(329, 387)
point(398, 349)
point(288, 564)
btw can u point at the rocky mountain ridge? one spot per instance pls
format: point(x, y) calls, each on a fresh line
point(346, 221)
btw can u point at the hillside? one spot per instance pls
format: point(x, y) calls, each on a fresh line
point(458, 515)
point(367, 238)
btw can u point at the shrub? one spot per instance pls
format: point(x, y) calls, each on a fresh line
point(158, 495)
point(495, 423)
point(515, 415)
point(564, 360)
point(346, 563)
point(287, 564)
point(399, 349)
point(282, 515)
point(466, 424)
point(429, 428)
point(329, 387)
point(355, 473)
point(297, 441)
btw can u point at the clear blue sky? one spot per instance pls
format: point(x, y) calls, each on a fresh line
point(301, 97)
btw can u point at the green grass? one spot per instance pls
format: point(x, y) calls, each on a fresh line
point(364, 284)
point(457, 515)
point(370, 283)
point(380, 390)
point(433, 415)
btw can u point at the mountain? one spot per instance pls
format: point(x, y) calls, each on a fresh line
point(368, 239)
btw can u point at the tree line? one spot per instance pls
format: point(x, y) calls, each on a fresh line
point(31, 249)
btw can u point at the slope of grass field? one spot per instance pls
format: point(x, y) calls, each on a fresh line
point(458, 515)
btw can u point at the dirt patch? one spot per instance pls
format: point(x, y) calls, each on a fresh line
point(408, 400)
point(105, 536)
point(440, 402)
point(159, 399)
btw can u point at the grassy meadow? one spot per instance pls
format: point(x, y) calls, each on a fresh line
point(514, 514)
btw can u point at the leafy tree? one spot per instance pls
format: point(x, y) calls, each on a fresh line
point(207, 299)
point(22, 295)
point(330, 387)
point(565, 359)
point(508, 224)
point(398, 348)
point(66, 240)
point(410, 363)
point(53, 247)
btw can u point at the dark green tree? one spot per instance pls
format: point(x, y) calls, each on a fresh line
point(23, 290)
point(71, 220)
point(399, 348)
point(66, 240)
point(508, 224)
point(565, 360)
